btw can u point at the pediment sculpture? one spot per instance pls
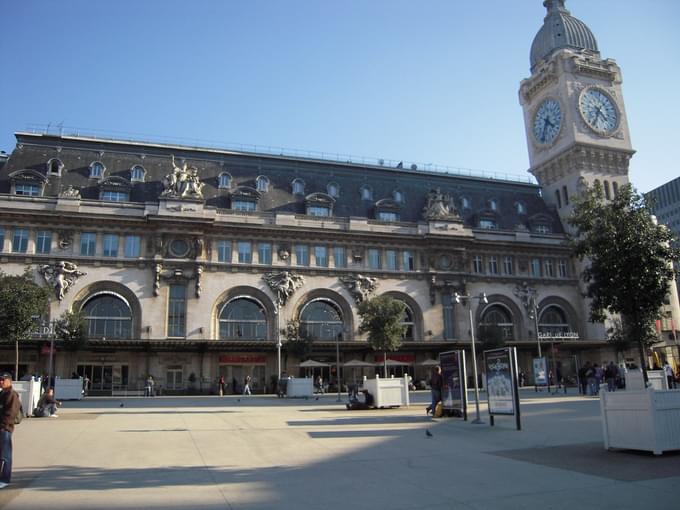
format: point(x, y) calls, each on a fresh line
point(70, 192)
point(440, 206)
point(283, 284)
point(361, 287)
point(61, 276)
point(183, 182)
point(177, 274)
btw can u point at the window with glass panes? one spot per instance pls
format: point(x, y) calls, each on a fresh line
point(223, 250)
point(508, 265)
point(562, 268)
point(110, 245)
point(133, 246)
point(27, 190)
point(301, 254)
point(447, 308)
point(43, 241)
point(115, 196)
point(407, 261)
point(391, 260)
point(177, 311)
point(388, 216)
point(373, 258)
point(88, 243)
point(264, 253)
point(20, 241)
point(477, 264)
point(321, 256)
point(549, 268)
point(339, 256)
point(317, 210)
point(2, 239)
point(493, 265)
point(243, 205)
point(535, 267)
point(245, 253)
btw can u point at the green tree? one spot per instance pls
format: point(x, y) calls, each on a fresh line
point(21, 301)
point(628, 261)
point(381, 318)
point(72, 329)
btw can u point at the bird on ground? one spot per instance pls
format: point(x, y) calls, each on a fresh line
point(122, 405)
point(428, 433)
point(317, 398)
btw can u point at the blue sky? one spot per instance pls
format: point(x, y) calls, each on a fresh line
point(427, 82)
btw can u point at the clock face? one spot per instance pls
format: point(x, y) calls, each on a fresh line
point(598, 110)
point(547, 121)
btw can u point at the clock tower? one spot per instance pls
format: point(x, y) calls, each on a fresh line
point(576, 126)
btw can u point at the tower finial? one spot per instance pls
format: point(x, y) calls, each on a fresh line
point(555, 5)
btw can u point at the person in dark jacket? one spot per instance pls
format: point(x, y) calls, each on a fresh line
point(9, 408)
point(436, 389)
point(47, 405)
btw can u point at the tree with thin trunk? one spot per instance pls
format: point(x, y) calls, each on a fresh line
point(629, 261)
point(382, 318)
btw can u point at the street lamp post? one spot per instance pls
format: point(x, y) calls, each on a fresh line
point(277, 312)
point(482, 299)
point(337, 364)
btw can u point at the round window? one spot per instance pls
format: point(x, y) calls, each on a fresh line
point(179, 248)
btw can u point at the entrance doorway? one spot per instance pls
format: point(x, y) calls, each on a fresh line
point(104, 377)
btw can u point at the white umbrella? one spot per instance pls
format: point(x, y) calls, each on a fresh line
point(310, 363)
point(394, 363)
point(429, 363)
point(355, 363)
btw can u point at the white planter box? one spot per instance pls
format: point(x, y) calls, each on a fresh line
point(29, 394)
point(641, 420)
point(300, 387)
point(388, 392)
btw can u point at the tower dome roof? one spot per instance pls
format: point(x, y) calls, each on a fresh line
point(560, 30)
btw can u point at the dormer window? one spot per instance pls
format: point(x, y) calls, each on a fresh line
point(465, 203)
point(398, 196)
point(262, 184)
point(298, 187)
point(27, 183)
point(488, 224)
point(542, 228)
point(114, 189)
point(521, 208)
point(245, 199)
point(224, 181)
point(387, 210)
point(333, 189)
point(97, 170)
point(319, 204)
point(493, 204)
point(137, 173)
point(55, 166)
point(366, 193)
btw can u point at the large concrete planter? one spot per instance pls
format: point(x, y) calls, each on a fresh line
point(388, 392)
point(300, 387)
point(646, 420)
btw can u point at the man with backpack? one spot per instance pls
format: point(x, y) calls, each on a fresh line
point(10, 406)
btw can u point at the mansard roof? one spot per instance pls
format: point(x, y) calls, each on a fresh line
point(33, 152)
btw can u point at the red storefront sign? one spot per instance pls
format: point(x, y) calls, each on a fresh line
point(404, 358)
point(235, 359)
point(45, 349)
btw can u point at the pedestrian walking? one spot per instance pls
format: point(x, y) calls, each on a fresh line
point(611, 373)
point(220, 385)
point(9, 409)
point(148, 388)
point(435, 389)
point(668, 370)
point(246, 386)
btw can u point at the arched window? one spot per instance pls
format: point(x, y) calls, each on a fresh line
point(493, 204)
point(553, 321)
point(97, 170)
point(366, 193)
point(224, 181)
point(521, 208)
point(262, 184)
point(607, 193)
point(298, 187)
point(55, 166)
point(558, 198)
point(108, 315)
point(243, 319)
point(408, 322)
point(333, 189)
point(615, 185)
point(398, 196)
point(497, 322)
point(137, 173)
point(465, 203)
point(321, 320)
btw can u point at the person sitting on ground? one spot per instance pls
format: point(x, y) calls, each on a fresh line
point(356, 404)
point(47, 405)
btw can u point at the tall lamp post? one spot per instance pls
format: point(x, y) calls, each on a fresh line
point(482, 299)
point(337, 364)
point(277, 312)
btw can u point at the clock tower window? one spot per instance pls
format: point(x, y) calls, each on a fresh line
point(559, 199)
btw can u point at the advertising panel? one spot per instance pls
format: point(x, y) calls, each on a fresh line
point(454, 388)
point(500, 385)
point(540, 372)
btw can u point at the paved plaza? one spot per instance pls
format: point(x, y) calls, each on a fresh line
point(261, 452)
